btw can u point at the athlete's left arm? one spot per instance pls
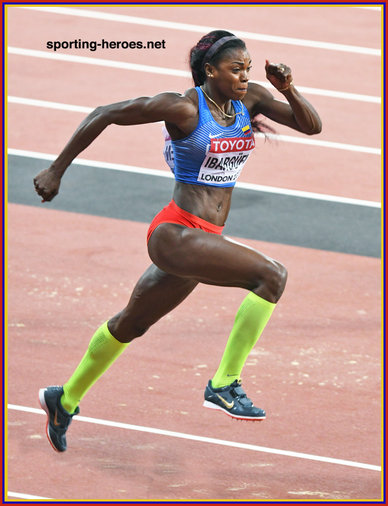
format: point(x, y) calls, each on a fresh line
point(296, 113)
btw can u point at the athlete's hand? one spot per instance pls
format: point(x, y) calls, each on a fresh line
point(47, 184)
point(278, 74)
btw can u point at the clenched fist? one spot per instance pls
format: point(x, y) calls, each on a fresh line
point(279, 75)
point(47, 184)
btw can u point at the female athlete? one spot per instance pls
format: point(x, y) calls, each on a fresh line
point(210, 129)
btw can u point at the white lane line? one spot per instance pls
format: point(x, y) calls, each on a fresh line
point(49, 105)
point(282, 138)
point(176, 73)
point(331, 93)
point(326, 144)
point(167, 174)
point(94, 163)
point(186, 27)
point(202, 439)
point(308, 195)
point(17, 495)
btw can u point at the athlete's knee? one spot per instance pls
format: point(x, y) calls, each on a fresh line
point(279, 280)
point(272, 281)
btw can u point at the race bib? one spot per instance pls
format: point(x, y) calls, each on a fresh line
point(225, 159)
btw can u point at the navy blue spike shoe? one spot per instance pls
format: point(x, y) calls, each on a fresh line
point(58, 419)
point(233, 401)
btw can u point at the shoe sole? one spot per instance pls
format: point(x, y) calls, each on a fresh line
point(42, 402)
point(211, 405)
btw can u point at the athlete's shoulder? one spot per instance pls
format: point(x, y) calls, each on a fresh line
point(255, 97)
point(185, 117)
point(171, 107)
point(189, 97)
point(186, 103)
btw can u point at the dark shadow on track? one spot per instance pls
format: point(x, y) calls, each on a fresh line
point(297, 221)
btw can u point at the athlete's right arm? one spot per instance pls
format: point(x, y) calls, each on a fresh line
point(170, 107)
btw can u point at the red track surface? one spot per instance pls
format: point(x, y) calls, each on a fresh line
point(316, 368)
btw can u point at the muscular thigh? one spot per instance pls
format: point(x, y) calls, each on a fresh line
point(208, 258)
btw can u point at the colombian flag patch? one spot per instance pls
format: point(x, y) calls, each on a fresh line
point(246, 129)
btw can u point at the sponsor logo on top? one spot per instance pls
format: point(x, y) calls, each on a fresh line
point(233, 144)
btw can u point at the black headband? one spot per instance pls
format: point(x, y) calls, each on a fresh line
point(215, 47)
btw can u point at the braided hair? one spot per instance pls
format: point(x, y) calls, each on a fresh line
point(202, 53)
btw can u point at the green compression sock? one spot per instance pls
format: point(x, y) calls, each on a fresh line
point(102, 351)
point(251, 318)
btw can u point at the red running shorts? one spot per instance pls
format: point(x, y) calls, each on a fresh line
point(174, 214)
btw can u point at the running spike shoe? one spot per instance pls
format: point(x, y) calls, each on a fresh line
point(233, 401)
point(58, 419)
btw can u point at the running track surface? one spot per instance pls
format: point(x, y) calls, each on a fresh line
point(316, 369)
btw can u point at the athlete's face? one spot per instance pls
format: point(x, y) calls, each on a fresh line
point(231, 75)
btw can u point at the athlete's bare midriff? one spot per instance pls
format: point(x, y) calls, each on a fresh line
point(207, 202)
